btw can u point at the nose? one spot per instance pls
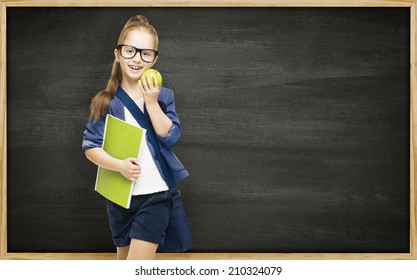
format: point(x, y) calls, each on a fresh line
point(137, 57)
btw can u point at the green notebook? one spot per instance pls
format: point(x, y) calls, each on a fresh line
point(121, 140)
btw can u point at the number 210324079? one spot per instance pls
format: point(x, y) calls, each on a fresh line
point(255, 270)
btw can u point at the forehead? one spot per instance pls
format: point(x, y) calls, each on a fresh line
point(139, 39)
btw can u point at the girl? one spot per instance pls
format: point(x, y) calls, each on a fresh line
point(139, 230)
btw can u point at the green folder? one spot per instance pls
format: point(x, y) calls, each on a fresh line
point(121, 140)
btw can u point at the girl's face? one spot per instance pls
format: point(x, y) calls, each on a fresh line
point(133, 68)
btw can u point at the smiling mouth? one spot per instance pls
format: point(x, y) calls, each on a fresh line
point(136, 68)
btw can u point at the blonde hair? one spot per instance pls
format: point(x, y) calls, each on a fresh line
point(101, 101)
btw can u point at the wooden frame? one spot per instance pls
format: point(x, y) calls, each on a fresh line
point(4, 4)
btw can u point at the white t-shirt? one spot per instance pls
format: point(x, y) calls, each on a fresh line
point(149, 180)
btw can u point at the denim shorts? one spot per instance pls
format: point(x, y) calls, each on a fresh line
point(147, 219)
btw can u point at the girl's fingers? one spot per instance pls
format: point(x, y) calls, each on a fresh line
point(141, 84)
point(152, 81)
point(146, 82)
point(131, 169)
point(133, 176)
point(135, 169)
point(149, 78)
point(155, 80)
point(150, 87)
point(135, 161)
point(134, 172)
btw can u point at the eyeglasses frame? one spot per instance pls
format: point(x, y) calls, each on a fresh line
point(119, 47)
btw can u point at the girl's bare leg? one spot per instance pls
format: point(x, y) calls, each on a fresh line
point(141, 250)
point(122, 252)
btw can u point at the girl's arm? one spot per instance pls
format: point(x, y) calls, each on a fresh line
point(160, 122)
point(129, 167)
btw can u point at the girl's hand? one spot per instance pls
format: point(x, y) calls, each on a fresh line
point(150, 90)
point(130, 168)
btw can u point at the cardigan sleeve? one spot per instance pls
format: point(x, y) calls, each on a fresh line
point(93, 134)
point(171, 138)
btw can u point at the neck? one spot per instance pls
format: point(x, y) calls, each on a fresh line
point(132, 89)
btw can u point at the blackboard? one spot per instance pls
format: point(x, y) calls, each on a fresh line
point(295, 126)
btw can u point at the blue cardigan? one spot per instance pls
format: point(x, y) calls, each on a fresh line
point(93, 135)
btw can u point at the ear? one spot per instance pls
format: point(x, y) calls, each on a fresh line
point(117, 55)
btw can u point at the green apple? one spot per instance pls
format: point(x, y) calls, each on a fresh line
point(151, 71)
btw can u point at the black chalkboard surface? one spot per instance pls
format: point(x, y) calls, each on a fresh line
point(295, 126)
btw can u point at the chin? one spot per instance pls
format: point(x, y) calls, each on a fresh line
point(132, 75)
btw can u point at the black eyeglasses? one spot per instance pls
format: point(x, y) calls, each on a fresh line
point(128, 52)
